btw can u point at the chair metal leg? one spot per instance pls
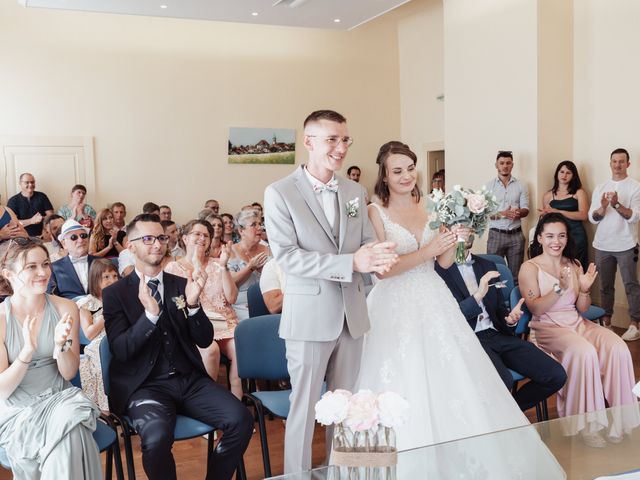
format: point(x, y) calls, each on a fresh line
point(128, 452)
point(117, 460)
point(241, 472)
point(539, 416)
point(210, 445)
point(108, 464)
point(545, 410)
point(266, 461)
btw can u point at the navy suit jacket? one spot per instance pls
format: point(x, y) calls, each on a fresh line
point(135, 341)
point(493, 302)
point(64, 280)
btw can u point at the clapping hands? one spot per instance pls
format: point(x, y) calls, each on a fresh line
point(586, 279)
point(376, 257)
point(62, 330)
point(515, 314)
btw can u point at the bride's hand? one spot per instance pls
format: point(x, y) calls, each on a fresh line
point(444, 241)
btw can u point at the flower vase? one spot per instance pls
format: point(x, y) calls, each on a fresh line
point(460, 255)
point(367, 448)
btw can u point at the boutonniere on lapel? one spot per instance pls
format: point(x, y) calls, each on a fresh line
point(353, 207)
point(181, 304)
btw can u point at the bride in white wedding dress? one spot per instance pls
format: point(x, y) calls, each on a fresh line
point(420, 345)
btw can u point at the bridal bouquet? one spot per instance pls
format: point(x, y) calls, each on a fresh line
point(462, 207)
point(364, 425)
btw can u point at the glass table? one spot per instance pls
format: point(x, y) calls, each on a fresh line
point(544, 451)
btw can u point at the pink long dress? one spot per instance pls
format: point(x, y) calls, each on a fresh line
point(212, 298)
point(597, 361)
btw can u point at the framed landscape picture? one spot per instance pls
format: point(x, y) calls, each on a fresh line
point(262, 145)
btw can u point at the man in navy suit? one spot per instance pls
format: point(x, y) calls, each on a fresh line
point(484, 309)
point(70, 274)
point(154, 325)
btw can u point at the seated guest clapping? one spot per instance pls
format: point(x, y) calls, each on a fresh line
point(70, 274)
point(598, 363)
point(46, 424)
point(101, 274)
point(106, 239)
point(248, 257)
point(483, 306)
point(154, 325)
point(216, 240)
point(77, 208)
point(229, 234)
point(217, 296)
point(51, 226)
point(10, 226)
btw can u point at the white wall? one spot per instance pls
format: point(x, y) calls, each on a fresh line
point(158, 96)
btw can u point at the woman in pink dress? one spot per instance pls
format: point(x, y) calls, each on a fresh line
point(217, 297)
point(598, 362)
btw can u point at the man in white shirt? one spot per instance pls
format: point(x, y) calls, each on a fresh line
point(505, 228)
point(615, 209)
point(272, 281)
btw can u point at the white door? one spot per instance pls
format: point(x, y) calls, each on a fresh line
point(57, 164)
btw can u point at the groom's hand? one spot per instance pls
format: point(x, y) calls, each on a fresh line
point(377, 257)
point(483, 285)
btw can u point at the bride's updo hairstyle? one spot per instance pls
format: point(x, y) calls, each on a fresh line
point(15, 252)
point(392, 148)
point(536, 247)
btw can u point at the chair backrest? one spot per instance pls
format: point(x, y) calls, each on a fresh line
point(522, 328)
point(260, 352)
point(497, 259)
point(505, 274)
point(105, 362)
point(256, 303)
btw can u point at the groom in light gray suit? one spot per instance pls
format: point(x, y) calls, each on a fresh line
point(320, 234)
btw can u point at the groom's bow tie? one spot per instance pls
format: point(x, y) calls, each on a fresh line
point(331, 186)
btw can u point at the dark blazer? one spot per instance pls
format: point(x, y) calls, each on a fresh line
point(492, 301)
point(135, 341)
point(64, 280)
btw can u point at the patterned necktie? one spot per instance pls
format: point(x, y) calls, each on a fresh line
point(331, 186)
point(153, 284)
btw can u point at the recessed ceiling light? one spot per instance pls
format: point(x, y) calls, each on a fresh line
point(163, 6)
point(336, 20)
point(255, 14)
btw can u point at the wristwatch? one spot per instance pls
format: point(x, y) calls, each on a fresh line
point(617, 205)
point(556, 288)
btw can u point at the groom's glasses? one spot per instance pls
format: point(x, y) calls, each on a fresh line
point(333, 140)
point(151, 239)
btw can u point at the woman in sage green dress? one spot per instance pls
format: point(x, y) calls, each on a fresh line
point(46, 424)
point(568, 198)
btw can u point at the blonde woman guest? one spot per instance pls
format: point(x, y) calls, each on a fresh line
point(77, 208)
point(248, 257)
point(46, 424)
point(106, 239)
point(216, 298)
point(102, 273)
point(597, 361)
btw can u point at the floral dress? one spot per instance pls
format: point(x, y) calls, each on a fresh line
point(90, 366)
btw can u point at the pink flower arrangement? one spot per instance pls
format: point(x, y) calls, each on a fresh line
point(363, 410)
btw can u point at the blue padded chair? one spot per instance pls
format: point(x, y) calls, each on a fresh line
point(522, 330)
point(506, 275)
point(497, 259)
point(594, 313)
point(186, 427)
point(261, 355)
point(256, 303)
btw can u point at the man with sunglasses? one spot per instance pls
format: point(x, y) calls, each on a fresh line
point(70, 274)
point(154, 326)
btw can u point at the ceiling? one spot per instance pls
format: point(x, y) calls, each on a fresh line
point(297, 13)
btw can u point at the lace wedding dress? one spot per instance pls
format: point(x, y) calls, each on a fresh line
point(421, 347)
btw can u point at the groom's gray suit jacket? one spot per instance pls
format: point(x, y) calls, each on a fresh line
point(321, 288)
